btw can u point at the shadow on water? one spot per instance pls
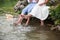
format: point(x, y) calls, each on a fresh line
point(32, 32)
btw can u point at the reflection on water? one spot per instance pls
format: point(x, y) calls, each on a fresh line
point(10, 32)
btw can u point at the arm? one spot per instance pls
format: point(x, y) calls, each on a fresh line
point(30, 1)
point(46, 1)
point(37, 1)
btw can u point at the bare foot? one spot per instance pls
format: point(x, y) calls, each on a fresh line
point(25, 25)
point(42, 23)
point(15, 24)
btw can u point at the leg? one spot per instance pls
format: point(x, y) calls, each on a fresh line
point(19, 20)
point(28, 19)
point(42, 22)
point(28, 16)
point(27, 22)
point(22, 15)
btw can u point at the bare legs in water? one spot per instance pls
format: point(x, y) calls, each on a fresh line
point(21, 17)
point(29, 15)
point(19, 21)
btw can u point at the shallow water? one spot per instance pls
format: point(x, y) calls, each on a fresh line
point(32, 32)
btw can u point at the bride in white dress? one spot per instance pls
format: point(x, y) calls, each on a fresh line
point(40, 11)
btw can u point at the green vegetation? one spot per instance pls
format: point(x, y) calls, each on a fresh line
point(55, 14)
point(7, 6)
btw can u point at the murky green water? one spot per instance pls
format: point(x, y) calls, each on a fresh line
point(31, 32)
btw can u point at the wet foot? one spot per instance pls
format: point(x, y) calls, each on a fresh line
point(44, 28)
point(42, 25)
point(25, 25)
point(15, 24)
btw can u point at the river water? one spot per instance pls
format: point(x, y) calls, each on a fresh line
point(32, 32)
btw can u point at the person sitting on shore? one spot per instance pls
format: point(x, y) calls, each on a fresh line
point(27, 9)
point(40, 11)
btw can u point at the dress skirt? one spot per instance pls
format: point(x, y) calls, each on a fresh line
point(40, 12)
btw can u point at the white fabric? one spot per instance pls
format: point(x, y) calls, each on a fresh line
point(40, 12)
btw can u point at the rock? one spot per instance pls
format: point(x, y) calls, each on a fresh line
point(20, 5)
point(58, 26)
point(55, 27)
point(52, 28)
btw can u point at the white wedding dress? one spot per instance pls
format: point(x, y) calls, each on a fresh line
point(40, 12)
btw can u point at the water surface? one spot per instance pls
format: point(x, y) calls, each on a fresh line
point(32, 32)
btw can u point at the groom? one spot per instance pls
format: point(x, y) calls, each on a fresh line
point(27, 9)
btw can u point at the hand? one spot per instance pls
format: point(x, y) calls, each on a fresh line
point(30, 0)
point(41, 4)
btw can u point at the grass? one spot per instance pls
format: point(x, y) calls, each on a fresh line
point(8, 7)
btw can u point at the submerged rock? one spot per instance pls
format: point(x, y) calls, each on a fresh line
point(55, 27)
